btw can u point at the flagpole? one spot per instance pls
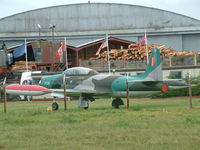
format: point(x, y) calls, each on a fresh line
point(147, 53)
point(26, 55)
point(66, 53)
point(108, 52)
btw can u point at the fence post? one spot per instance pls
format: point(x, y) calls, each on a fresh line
point(127, 93)
point(170, 61)
point(190, 90)
point(195, 59)
point(65, 95)
point(5, 99)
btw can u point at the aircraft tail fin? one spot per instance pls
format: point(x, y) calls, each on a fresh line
point(154, 68)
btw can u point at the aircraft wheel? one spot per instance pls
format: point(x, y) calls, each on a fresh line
point(28, 98)
point(117, 102)
point(115, 106)
point(27, 82)
point(55, 106)
point(86, 107)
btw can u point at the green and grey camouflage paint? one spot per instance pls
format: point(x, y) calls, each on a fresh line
point(85, 81)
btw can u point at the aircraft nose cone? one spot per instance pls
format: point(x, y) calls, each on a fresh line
point(29, 90)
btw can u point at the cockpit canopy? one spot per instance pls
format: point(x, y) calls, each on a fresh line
point(76, 71)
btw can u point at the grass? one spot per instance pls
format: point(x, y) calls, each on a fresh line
point(149, 124)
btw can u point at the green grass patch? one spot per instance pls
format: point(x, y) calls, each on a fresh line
point(153, 124)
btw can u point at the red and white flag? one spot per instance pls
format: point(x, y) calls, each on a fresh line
point(61, 49)
point(103, 45)
point(143, 40)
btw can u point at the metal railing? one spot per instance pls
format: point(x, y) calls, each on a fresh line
point(169, 61)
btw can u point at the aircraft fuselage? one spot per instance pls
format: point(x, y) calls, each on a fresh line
point(102, 84)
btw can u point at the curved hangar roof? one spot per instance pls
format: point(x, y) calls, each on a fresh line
point(97, 17)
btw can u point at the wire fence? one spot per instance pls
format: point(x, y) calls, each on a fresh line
point(169, 61)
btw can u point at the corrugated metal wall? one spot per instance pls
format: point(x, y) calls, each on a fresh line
point(172, 41)
point(191, 42)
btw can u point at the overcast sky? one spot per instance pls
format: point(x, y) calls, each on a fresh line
point(186, 7)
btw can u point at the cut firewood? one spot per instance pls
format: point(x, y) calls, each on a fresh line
point(134, 52)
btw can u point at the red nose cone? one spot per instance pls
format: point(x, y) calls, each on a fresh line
point(27, 88)
point(164, 88)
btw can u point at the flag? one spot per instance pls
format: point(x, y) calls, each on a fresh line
point(143, 40)
point(103, 45)
point(61, 50)
point(19, 51)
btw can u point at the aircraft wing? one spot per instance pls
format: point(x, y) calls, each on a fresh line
point(143, 81)
point(72, 92)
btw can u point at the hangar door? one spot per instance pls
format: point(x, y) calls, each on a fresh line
point(191, 42)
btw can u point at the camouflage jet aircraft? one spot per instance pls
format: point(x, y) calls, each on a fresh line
point(88, 84)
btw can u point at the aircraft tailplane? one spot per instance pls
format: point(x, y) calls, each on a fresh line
point(154, 67)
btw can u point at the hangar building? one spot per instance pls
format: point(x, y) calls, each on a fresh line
point(82, 23)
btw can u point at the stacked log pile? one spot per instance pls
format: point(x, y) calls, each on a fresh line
point(21, 65)
point(134, 52)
